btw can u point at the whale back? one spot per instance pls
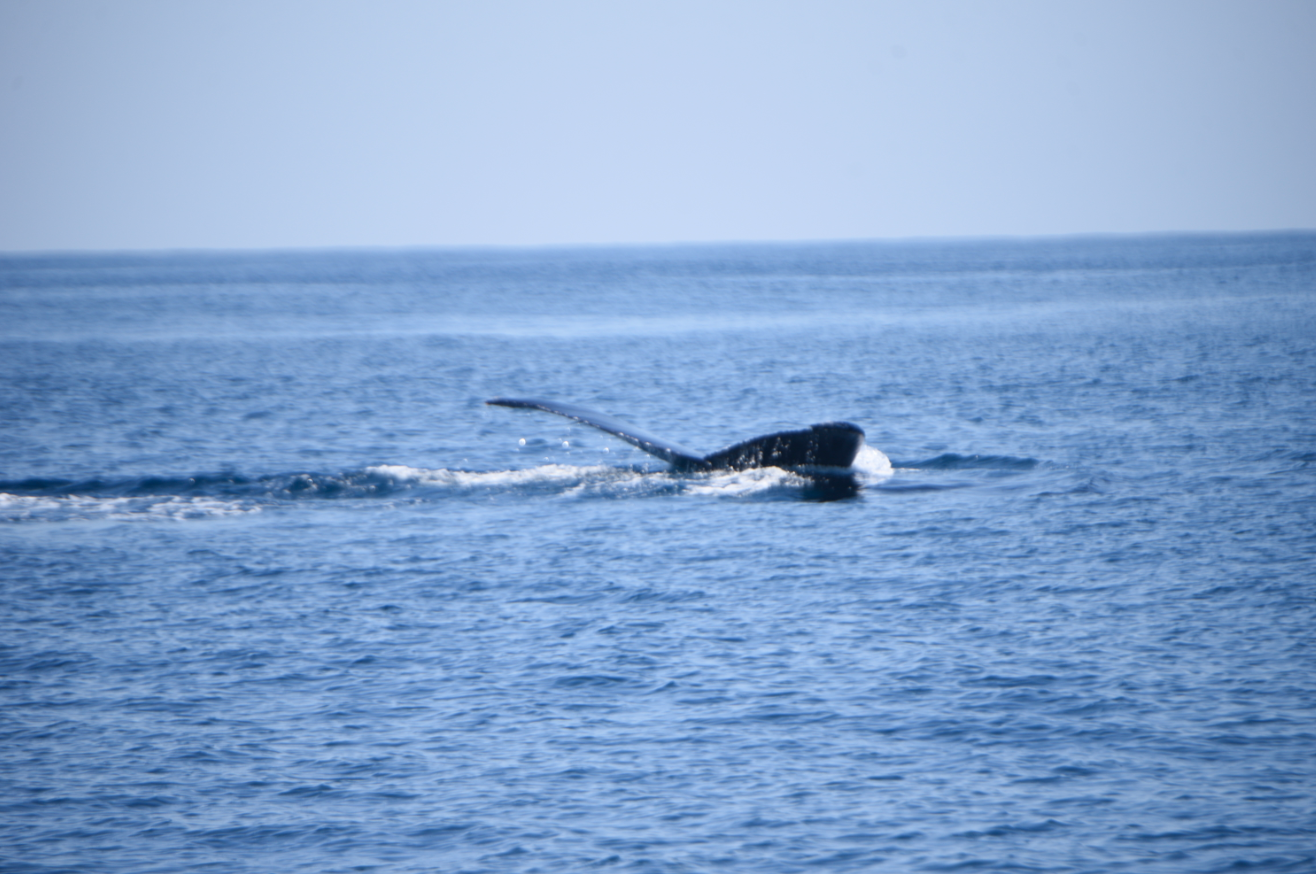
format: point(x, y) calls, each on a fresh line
point(831, 444)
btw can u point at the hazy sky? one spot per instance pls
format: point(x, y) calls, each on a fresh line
point(146, 125)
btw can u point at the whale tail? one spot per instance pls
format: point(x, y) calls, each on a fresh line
point(829, 445)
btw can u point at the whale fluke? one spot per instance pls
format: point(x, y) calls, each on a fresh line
point(830, 445)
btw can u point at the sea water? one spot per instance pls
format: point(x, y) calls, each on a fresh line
point(281, 593)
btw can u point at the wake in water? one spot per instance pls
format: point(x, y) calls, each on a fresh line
point(222, 495)
point(214, 496)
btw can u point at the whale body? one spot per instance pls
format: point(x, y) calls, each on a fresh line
point(828, 445)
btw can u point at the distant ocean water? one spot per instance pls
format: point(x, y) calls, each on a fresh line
point(280, 593)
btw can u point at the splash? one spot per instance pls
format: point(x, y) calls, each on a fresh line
point(872, 463)
point(759, 481)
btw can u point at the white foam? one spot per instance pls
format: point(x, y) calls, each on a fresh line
point(27, 508)
point(741, 483)
point(547, 474)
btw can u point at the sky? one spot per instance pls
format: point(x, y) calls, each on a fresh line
point(280, 124)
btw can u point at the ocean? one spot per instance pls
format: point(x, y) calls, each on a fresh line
point(282, 593)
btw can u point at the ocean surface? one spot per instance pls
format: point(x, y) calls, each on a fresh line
point(280, 593)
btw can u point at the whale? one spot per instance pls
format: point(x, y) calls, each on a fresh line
point(829, 445)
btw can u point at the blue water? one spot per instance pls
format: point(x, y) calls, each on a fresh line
point(280, 593)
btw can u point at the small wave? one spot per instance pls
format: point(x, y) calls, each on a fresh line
point(954, 461)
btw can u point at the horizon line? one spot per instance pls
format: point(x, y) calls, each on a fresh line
point(620, 245)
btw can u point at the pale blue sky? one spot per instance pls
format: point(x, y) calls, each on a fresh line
point(160, 125)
